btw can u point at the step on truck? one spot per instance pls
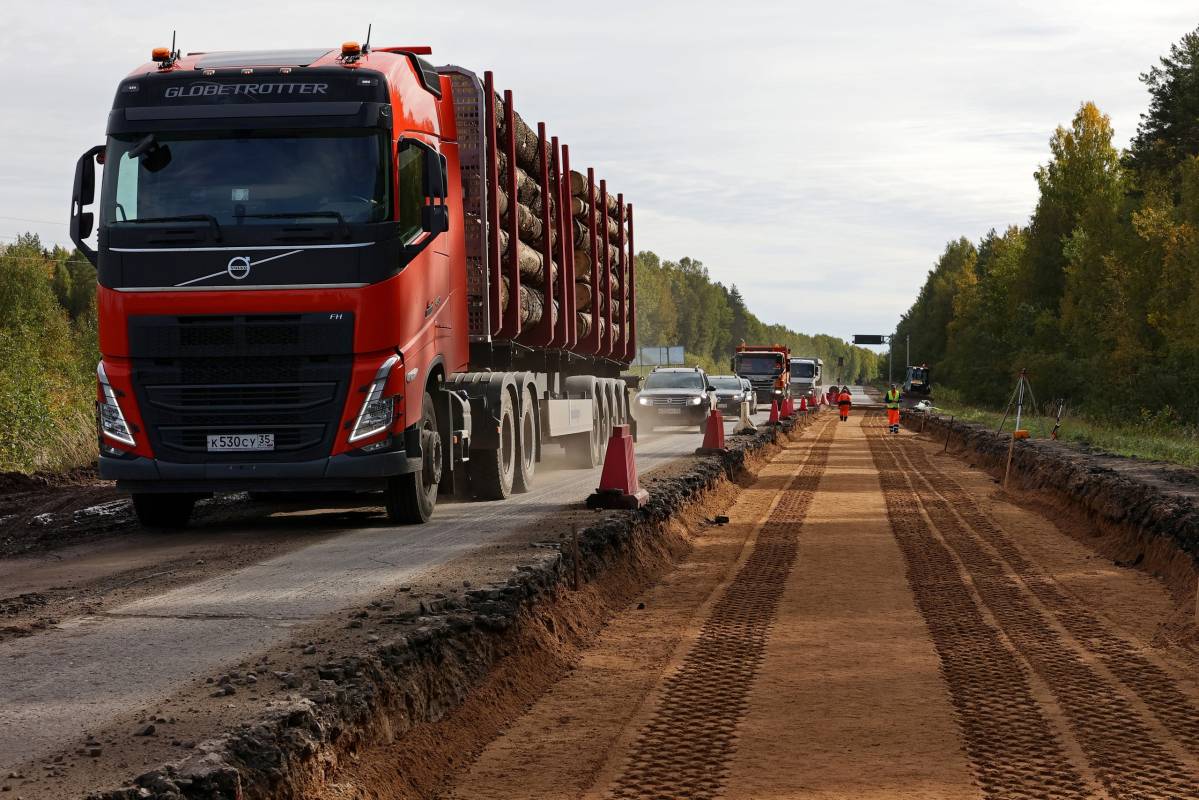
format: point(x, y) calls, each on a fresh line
point(766, 368)
point(345, 270)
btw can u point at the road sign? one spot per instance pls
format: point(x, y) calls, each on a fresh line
point(666, 355)
point(869, 338)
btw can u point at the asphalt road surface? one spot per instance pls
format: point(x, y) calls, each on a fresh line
point(84, 672)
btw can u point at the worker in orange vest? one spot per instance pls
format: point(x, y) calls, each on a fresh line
point(844, 402)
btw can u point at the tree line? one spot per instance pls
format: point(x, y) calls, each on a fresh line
point(679, 304)
point(48, 356)
point(1097, 295)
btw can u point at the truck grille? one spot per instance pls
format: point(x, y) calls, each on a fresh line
point(286, 374)
point(668, 401)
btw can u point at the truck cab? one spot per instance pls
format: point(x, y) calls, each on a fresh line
point(807, 377)
point(768, 370)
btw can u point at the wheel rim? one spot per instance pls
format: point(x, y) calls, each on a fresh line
point(528, 433)
point(507, 445)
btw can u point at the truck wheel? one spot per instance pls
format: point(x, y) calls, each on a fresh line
point(526, 448)
point(604, 398)
point(410, 498)
point(585, 450)
point(163, 510)
point(492, 472)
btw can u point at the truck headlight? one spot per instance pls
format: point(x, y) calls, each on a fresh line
point(645, 401)
point(694, 401)
point(112, 420)
point(377, 411)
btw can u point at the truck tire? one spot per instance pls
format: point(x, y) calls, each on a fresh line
point(526, 446)
point(603, 396)
point(492, 472)
point(163, 510)
point(411, 498)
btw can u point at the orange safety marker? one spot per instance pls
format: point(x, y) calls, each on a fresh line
point(774, 412)
point(713, 436)
point(788, 409)
point(803, 405)
point(619, 487)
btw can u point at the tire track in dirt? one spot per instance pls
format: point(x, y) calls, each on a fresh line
point(683, 750)
point(1119, 744)
point(1011, 746)
point(1155, 687)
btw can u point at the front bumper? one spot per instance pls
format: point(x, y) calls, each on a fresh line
point(690, 415)
point(363, 473)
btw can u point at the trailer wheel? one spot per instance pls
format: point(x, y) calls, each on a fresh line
point(163, 510)
point(526, 447)
point(410, 498)
point(492, 472)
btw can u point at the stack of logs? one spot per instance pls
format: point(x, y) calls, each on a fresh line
point(530, 245)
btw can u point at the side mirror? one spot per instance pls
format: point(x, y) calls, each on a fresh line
point(710, 388)
point(435, 219)
point(435, 215)
point(435, 176)
point(83, 194)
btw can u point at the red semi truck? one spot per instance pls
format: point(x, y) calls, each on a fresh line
point(307, 282)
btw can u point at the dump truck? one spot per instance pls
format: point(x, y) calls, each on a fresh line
point(346, 269)
point(807, 376)
point(767, 368)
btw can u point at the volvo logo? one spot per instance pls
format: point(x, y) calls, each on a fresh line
point(238, 267)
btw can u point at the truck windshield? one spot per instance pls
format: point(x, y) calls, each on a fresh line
point(239, 178)
point(802, 369)
point(674, 380)
point(765, 364)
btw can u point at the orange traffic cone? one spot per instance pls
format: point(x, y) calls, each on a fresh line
point(774, 412)
point(619, 487)
point(713, 436)
point(803, 405)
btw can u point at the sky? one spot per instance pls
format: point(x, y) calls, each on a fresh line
point(817, 155)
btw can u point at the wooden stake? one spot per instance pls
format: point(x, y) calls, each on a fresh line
point(1010, 448)
point(948, 430)
point(574, 554)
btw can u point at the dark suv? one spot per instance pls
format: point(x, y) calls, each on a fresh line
point(675, 396)
point(731, 390)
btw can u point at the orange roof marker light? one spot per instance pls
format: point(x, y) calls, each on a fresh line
point(350, 53)
point(165, 57)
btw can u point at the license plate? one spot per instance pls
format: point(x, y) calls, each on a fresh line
point(234, 442)
point(670, 411)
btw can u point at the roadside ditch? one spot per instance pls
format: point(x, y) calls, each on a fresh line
point(406, 710)
point(1140, 514)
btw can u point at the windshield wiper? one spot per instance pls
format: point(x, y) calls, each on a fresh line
point(213, 225)
point(341, 221)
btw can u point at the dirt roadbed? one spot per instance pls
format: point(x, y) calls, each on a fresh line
point(875, 621)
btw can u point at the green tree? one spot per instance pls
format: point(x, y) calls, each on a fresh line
point(1169, 130)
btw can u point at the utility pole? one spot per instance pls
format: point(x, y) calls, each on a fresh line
point(890, 356)
point(908, 354)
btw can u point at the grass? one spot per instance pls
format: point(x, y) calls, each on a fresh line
point(1154, 437)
